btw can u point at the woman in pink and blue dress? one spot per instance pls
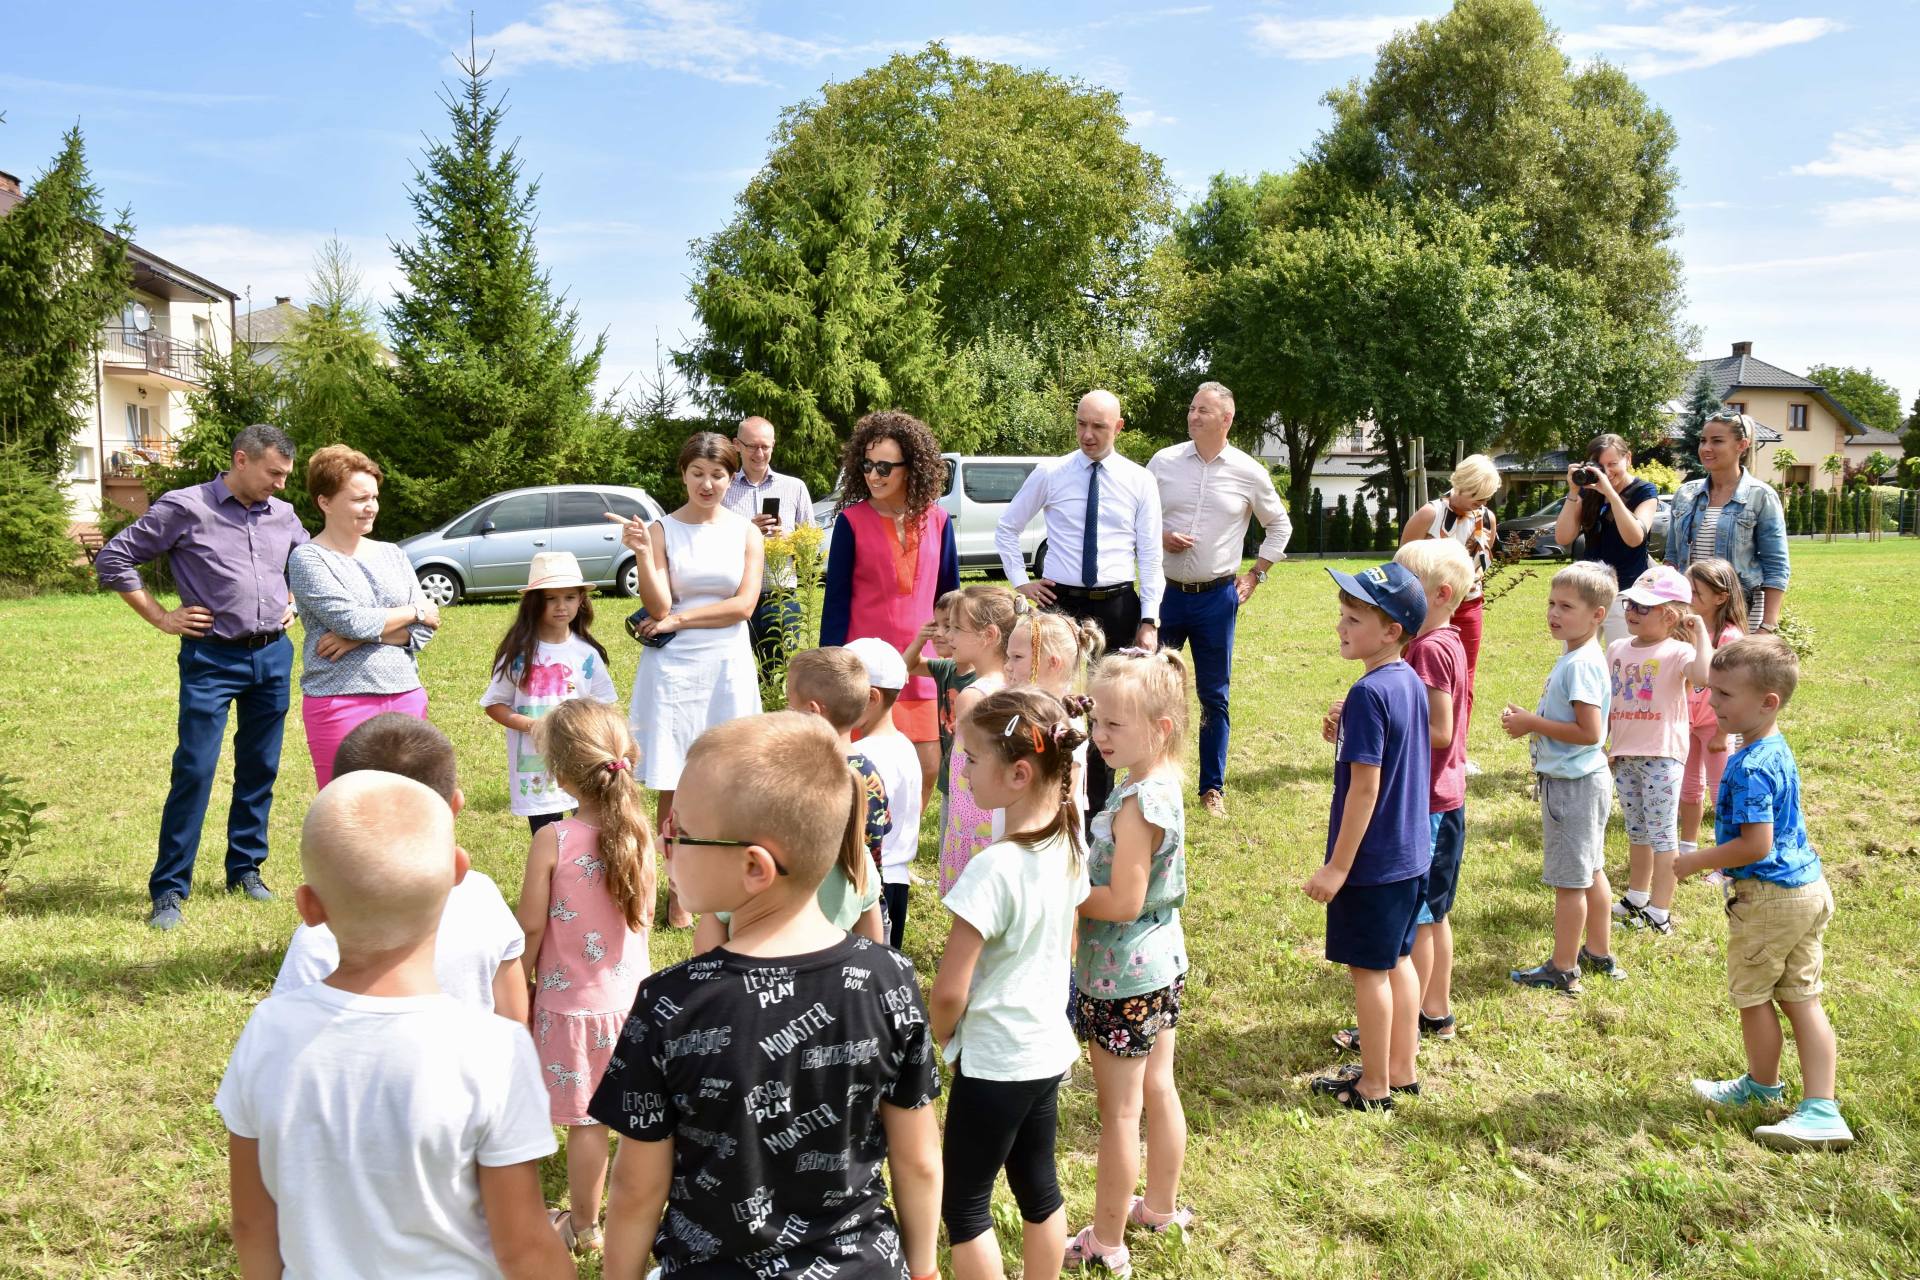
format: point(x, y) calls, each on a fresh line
point(891, 557)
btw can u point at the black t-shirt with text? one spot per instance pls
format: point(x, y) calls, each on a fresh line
point(768, 1075)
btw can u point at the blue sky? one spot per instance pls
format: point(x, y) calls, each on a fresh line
point(243, 134)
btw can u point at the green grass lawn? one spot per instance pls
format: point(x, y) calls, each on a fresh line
point(1557, 1136)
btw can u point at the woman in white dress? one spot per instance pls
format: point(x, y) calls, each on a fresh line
point(699, 571)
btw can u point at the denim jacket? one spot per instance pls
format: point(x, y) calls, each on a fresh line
point(1752, 533)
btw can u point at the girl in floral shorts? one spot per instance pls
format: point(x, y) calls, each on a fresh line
point(1130, 968)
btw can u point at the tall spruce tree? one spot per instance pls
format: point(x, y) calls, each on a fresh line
point(1701, 404)
point(492, 387)
point(61, 275)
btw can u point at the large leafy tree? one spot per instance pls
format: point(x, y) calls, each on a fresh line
point(1571, 174)
point(492, 385)
point(807, 320)
point(1868, 397)
point(1016, 196)
point(1910, 433)
point(62, 274)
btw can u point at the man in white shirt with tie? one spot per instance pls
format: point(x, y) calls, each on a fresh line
point(1103, 532)
point(1209, 492)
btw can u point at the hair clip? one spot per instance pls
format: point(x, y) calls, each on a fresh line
point(1131, 652)
point(1039, 744)
point(1013, 722)
point(617, 764)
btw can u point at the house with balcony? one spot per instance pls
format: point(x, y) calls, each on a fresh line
point(149, 357)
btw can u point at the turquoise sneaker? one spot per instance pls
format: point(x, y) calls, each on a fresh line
point(1738, 1093)
point(1814, 1125)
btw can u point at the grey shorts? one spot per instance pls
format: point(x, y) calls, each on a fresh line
point(1573, 821)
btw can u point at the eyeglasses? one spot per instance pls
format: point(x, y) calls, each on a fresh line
point(868, 467)
point(1634, 606)
point(670, 834)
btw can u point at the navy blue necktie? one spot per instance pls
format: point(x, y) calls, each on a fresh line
point(1090, 544)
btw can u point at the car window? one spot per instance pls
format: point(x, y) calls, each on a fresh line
point(622, 505)
point(578, 506)
point(994, 482)
point(522, 511)
point(468, 525)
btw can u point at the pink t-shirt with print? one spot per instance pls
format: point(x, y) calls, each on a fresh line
point(1649, 715)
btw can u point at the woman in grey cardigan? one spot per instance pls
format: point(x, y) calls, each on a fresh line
point(365, 616)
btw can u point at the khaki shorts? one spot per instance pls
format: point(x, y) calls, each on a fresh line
point(1773, 941)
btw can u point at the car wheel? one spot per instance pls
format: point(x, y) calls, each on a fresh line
point(628, 579)
point(442, 586)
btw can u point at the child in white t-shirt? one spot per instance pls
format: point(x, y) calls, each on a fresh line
point(894, 757)
point(996, 1007)
point(476, 957)
point(379, 1127)
point(547, 656)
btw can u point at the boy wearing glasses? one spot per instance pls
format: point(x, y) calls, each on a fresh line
point(759, 1088)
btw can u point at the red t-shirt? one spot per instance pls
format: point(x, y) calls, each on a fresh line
point(1440, 660)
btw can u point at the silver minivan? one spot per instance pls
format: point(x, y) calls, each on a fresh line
point(485, 551)
point(976, 496)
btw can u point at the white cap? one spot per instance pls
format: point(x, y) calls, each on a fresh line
point(886, 669)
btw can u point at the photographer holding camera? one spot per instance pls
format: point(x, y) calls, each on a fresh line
point(1614, 509)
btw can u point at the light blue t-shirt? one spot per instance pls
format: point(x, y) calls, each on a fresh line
point(1762, 784)
point(1579, 676)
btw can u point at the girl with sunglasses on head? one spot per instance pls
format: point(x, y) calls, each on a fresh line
point(891, 557)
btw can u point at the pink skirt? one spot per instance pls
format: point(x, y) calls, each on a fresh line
point(574, 1048)
point(331, 718)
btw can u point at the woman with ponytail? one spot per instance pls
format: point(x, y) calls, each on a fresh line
point(996, 1002)
point(586, 906)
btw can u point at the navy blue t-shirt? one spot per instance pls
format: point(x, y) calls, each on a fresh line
point(1384, 723)
point(1603, 539)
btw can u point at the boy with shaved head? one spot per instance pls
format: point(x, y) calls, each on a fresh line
point(378, 1126)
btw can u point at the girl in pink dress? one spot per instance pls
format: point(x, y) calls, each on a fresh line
point(586, 906)
point(1717, 603)
point(983, 619)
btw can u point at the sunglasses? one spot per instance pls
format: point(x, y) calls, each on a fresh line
point(1634, 606)
point(671, 835)
point(868, 467)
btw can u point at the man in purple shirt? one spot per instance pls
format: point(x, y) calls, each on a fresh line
point(228, 541)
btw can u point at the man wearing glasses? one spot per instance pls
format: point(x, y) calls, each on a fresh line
point(776, 504)
point(1103, 533)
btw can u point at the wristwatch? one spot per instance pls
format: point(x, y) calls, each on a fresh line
point(1259, 575)
point(1769, 627)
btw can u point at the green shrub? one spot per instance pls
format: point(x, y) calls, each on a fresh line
point(1338, 526)
point(157, 574)
point(37, 551)
point(1361, 534)
point(1658, 474)
point(19, 824)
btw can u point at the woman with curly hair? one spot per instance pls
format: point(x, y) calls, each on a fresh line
point(891, 557)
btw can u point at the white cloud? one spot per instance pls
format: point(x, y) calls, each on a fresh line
point(1147, 118)
point(1871, 158)
point(270, 263)
point(707, 38)
point(415, 15)
point(1816, 262)
point(992, 48)
point(1691, 38)
point(126, 93)
point(1323, 39)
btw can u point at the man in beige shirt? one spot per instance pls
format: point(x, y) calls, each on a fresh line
point(1209, 492)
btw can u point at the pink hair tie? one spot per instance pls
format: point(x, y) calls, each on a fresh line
point(617, 765)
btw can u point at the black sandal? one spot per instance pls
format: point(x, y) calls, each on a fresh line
point(1351, 1071)
point(1347, 1039)
point(1345, 1090)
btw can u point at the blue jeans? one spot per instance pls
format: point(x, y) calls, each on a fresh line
point(214, 677)
point(1204, 624)
point(777, 613)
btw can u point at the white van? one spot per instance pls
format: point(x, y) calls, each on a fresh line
point(977, 493)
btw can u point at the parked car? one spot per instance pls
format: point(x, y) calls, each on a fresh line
point(976, 495)
point(1537, 531)
point(485, 550)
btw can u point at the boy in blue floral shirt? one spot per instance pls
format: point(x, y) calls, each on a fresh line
point(1778, 901)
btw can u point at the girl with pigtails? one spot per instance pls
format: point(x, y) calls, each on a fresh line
point(996, 1002)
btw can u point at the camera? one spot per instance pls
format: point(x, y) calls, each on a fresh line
point(1586, 477)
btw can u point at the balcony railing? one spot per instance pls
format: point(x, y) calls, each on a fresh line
point(156, 352)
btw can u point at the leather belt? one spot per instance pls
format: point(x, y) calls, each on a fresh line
point(258, 640)
point(1092, 593)
point(1195, 588)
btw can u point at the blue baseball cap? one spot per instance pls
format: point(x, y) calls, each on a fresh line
point(1391, 587)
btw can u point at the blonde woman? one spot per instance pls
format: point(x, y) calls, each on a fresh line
point(1465, 516)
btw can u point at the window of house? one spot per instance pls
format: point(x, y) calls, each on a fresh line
point(1796, 417)
point(203, 333)
point(82, 468)
point(1738, 406)
point(139, 424)
point(1800, 475)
